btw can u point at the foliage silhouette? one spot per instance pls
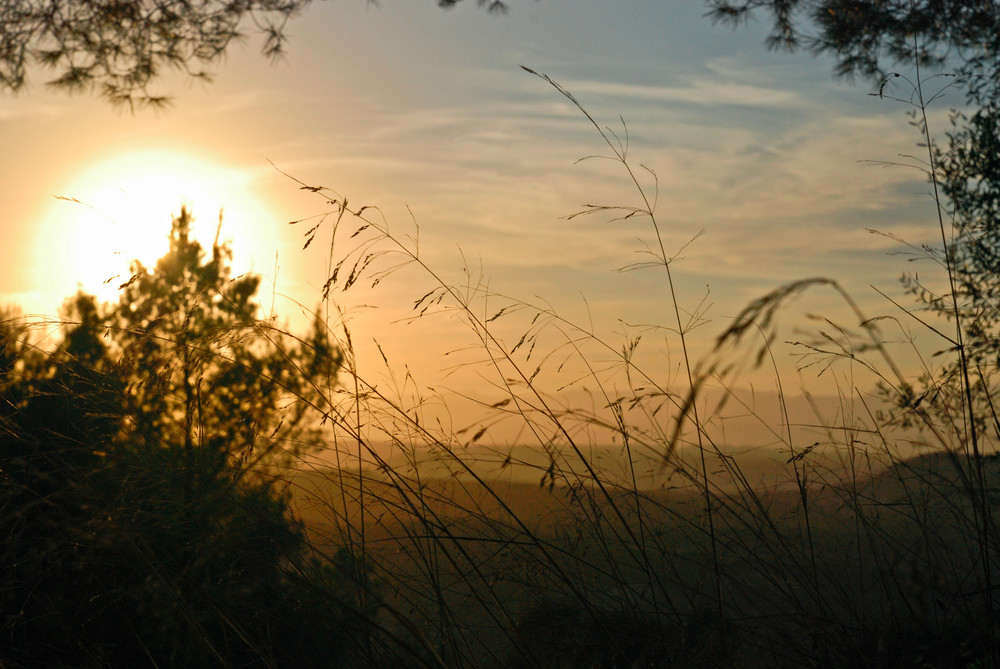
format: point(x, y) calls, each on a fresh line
point(131, 540)
point(493, 6)
point(203, 372)
point(861, 34)
point(971, 181)
point(118, 49)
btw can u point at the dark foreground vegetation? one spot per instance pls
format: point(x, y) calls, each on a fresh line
point(141, 523)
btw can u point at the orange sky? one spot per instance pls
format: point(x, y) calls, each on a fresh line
point(428, 115)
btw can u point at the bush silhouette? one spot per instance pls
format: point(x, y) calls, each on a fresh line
point(140, 527)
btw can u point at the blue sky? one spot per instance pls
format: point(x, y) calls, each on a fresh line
point(428, 115)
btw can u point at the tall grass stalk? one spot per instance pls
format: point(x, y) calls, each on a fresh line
point(855, 558)
point(979, 493)
point(620, 153)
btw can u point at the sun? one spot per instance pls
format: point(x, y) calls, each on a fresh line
point(120, 209)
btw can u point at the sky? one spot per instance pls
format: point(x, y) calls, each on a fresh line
point(759, 157)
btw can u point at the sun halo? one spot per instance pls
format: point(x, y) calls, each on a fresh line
point(121, 209)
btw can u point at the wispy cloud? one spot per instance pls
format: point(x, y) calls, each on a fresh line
point(496, 176)
point(694, 90)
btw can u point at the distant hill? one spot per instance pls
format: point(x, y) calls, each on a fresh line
point(946, 475)
point(323, 497)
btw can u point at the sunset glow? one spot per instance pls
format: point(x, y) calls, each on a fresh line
point(120, 210)
point(500, 333)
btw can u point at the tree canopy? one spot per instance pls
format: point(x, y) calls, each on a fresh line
point(134, 532)
point(863, 34)
point(203, 372)
point(494, 6)
point(120, 48)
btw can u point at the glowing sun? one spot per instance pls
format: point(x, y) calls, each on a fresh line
point(121, 209)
